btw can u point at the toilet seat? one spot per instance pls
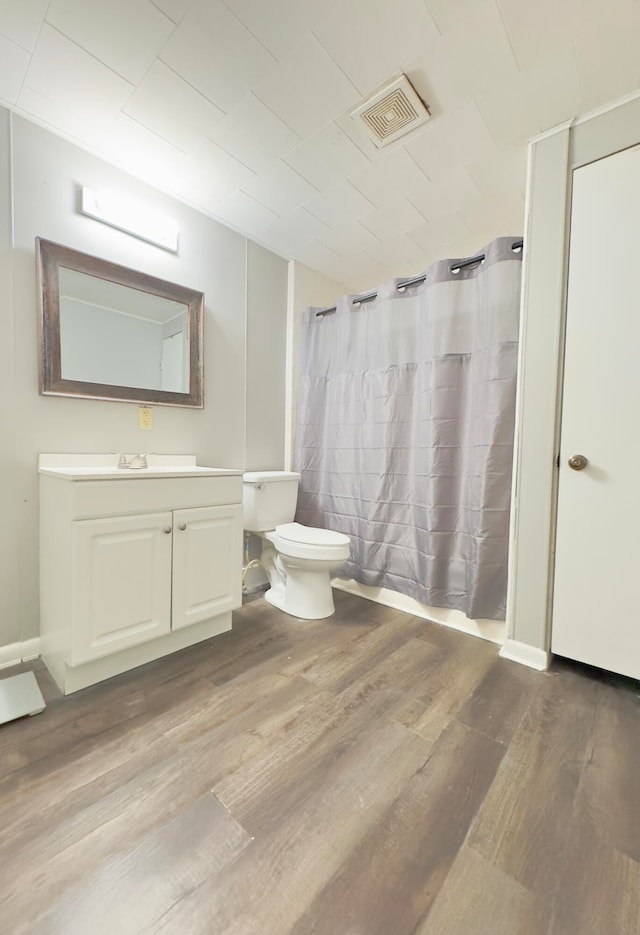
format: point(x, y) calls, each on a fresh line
point(298, 541)
point(311, 535)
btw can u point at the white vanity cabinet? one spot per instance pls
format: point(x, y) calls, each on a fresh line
point(134, 564)
point(120, 583)
point(206, 572)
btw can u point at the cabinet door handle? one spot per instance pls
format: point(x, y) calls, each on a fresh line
point(167, 529)
point(182, 527)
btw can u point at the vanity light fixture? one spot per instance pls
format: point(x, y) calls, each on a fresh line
point(125, 215)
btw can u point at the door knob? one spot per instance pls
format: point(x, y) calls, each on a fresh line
point(167, 529)
point(182, 527)
point(577, 462)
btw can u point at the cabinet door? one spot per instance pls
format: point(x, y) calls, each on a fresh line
point(207, 563)
point(121, 583)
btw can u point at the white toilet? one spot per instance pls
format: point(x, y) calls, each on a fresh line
point(297, 559)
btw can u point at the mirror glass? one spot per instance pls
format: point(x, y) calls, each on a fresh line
point(113, 333)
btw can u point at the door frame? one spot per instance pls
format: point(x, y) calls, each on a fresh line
point(552, 158)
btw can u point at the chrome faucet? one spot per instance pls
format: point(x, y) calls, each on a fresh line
point(133, 462)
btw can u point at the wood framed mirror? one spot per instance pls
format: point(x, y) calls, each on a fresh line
point(109, 332)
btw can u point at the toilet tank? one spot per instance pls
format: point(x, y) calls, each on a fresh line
point(268, 499)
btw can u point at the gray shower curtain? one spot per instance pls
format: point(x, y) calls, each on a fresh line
point(404, 436)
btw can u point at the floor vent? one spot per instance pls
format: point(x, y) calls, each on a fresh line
point(392, 111)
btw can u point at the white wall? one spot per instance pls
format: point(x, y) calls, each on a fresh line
point(10, 511)
point(266, 343)
point(533, 499)
point(307, 288)
point(47, 174)
point(304, 287)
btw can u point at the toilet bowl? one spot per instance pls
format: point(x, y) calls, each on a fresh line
point(297, 559)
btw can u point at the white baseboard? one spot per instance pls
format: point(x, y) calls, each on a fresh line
point(15, 653)
point(526, 655)
point(492, 630)
point(31, 649)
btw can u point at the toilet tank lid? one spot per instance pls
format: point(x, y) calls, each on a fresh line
point(268, 477)
point(311, 535)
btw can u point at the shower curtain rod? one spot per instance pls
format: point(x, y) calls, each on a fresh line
point(416, 280)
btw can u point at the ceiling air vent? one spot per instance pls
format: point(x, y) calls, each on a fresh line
point(392, 111)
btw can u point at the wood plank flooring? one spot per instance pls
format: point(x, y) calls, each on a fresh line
point(370, 774)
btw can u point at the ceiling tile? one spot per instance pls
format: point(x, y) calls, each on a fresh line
point(504, 167)
point(417, 264)
point(170, 107)
point(13, 65)
point(306, 89)
point(125, 35)
point(358, 270)
point(438, 234)
point(298, 226)
point(469, 60)
point(452, 140)
point(20, 21)
point(326, 157)
point(132, 146)
point(174, 9)
point(448, 13)
point(272, 242)
point(244, 213)
point(468, 246)
point(253, 134)
point(278, 24)
point(216, 172)
point(534, 100)
point(279, 188)
point(213, 51)
point(246, 110)
point(395, 172)
point(80, 126)
point(351, 237)
point(393, 250)
point(332, 272)
point(372, 39)
point(314, 254)
point(606, 47)
point(535, 29)
point(428, 257)
point(392, 219)
point(338, 204)
point(505, 213)
point(445, 194)
point(67, 75)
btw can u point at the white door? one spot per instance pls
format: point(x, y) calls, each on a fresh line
point(207, 549)
point(121, 583)
point(172, 366)
point(597, 573)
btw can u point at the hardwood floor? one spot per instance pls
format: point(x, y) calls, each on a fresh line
point(370, 774)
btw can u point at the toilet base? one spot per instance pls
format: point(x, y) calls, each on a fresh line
point(307, 595)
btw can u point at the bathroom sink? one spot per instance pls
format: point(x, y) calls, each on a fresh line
point(99, 466)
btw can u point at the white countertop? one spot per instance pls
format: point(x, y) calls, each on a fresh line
point(105, 466)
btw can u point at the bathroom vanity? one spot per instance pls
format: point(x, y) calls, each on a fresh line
point(134, 563)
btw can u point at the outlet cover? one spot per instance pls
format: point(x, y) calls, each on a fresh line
point(145, 418)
